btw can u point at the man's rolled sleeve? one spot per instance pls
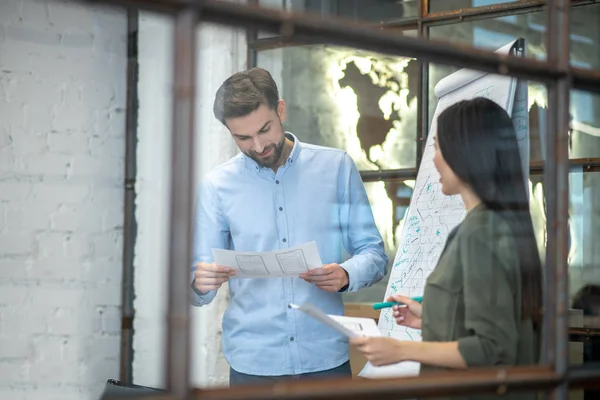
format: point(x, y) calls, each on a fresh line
point(210, 231)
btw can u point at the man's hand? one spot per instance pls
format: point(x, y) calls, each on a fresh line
point(211, 276)
point(330, 277)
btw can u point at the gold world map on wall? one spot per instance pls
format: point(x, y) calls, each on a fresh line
point(373, 126)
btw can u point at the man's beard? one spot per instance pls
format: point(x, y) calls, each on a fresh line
point(270, 161)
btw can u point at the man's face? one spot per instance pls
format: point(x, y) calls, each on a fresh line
point(260, 134)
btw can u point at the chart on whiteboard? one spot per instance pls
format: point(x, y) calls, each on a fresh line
point(430, 217)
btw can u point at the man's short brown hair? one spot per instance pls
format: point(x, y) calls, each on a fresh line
point(244, 92)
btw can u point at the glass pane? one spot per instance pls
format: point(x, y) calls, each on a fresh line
point(585, 125)
point(584, 261)
point(277, 4)
point(361, 102)
point(450, 5)
point(494, 33)
point(584, 255)
point(427, 224)
point(364, 10)
point(389, 201)
point(584, 139)
point(536, 104)
point(585, 36)
point(369, 11)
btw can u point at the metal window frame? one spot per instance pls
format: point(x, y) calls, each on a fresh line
point(553, 376)
point(421, 23)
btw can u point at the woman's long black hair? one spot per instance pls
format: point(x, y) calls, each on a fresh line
point(479, 143)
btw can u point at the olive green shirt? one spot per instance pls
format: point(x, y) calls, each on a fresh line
point(474, 297)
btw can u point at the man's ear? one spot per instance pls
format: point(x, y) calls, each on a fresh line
point(281, 110)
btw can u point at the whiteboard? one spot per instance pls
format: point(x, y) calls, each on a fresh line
point(431, 214)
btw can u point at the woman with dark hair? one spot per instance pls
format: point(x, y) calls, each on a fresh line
point(482, 303)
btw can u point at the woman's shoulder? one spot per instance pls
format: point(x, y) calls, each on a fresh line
point(486, 226)
point(483, 220)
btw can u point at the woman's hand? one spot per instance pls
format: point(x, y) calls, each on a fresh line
point(382, 350)
point(410, 314)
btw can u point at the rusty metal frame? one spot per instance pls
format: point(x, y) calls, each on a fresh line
point(178, 349)
point(129, 201)
point(491, 11)
point(423, 91)
point(422, 23)
point(535, 168)
point(498, 380)
point(508, 5)
point(555, 343)
point(347, 33)
point(455, 16)
point(556, 73)
point(251, 37)
point(584, 335)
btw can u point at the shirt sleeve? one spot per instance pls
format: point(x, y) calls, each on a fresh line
point(361, 238)
point(210, 231)
point(489, 295)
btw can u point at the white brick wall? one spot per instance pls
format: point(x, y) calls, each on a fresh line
point(62, 96)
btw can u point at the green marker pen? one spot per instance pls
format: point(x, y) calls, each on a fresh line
point(388, 304)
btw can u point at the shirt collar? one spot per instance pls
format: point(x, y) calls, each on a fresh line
point(250, 163)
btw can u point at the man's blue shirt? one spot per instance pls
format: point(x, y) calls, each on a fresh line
point(317, 195)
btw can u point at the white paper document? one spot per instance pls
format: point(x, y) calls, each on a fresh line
point(349, 326)
point(406, 368)
point(270, 264)
point(352, 327)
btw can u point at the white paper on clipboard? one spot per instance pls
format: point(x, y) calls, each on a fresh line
point(348, 326)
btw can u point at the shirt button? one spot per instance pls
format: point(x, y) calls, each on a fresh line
point(289, 306)
point(280, 208)
point(277, 182)
point(292, 339)
point(284, 240)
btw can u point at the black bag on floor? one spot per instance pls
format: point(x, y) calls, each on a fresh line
point(114, 388)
